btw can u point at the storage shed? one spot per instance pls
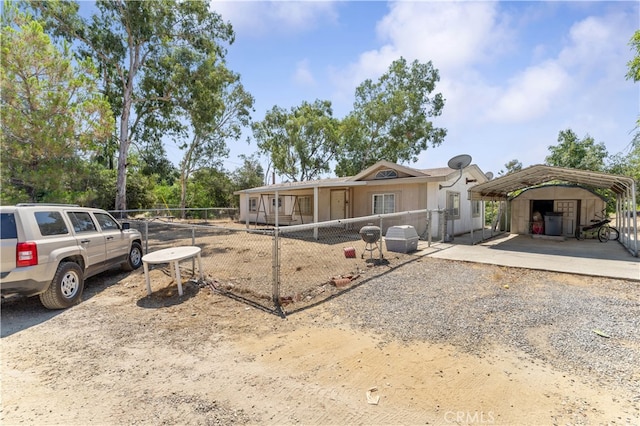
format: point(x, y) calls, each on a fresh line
point(623, 188)
point(535, 208)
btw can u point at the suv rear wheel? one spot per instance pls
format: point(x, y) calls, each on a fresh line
point(65, 288)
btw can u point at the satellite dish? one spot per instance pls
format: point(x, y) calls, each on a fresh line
point(489, 175)
point(459, 162)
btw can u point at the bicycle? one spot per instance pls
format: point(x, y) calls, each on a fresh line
point(600, 228)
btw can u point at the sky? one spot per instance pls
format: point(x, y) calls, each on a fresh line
point(514, 74)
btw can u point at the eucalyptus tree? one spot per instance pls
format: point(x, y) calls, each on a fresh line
point(301, 142)
point(215, 108)
point(52, 114)
point(391, 118)
point(511, 167)
point(572, 152)
point(249, 175)
point(141, 48)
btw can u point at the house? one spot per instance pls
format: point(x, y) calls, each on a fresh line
point(385, 187)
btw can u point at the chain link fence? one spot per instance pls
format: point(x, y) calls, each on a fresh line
point(272, 268)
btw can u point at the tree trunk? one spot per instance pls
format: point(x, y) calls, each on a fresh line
point(183, 193)
point(123, 151)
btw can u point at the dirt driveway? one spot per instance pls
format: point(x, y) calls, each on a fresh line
point(122, 357)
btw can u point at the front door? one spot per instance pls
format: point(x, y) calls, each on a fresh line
point(338, 210)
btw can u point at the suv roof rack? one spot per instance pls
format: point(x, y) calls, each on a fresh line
point(46, 204)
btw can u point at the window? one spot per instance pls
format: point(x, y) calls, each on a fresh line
point(51, 223)
point(305, 204)
point(384, 203)
point(82, 222)
point(386, 174)
point(477, 207)
point(453, 204)
point(253, 204)
point(107, 223)
point(8, 229)
point(272, 205)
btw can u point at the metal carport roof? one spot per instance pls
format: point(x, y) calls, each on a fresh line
point(622, 186)
point(499, 188)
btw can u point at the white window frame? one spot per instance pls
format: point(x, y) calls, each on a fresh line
point(305, 205)
point(453, 204)
point(272, 204)
point(253, 204)
point(476, 208)
point(386, 174)
point(385, 197)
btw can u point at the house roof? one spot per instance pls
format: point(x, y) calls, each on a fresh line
point(439, 174)
point(499, 188)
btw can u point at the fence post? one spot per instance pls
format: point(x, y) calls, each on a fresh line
point(429, 217)
point(380, 241)
point(193, 243)
point(146, 236)
point(275, 268)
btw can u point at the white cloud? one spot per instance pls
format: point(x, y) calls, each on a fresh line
point(530, 94)
point(257, 18)
point(303, 76)
point(452, 35)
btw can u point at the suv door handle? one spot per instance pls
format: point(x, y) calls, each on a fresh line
point(109, 238)
point(85, 241)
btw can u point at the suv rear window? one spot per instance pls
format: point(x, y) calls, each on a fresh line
point(51, 223)
point(8, 228)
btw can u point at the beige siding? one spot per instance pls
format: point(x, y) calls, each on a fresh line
point(590, 206)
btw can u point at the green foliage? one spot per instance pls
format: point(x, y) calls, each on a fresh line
point(300, 142)
point(249, 175)
point(210, 188)
point(52, 114)
point(628, 164)
point(391, 118)
point(573, 153)
point(511, 167)
point(215, 107)
point(143, 49)
point(634, 64)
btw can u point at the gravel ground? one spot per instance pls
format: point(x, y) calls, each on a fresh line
point(558, 318)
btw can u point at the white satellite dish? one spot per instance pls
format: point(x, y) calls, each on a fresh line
point(459, 162)
point(489, 175)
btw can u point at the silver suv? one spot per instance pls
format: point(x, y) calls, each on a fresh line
point(49, 250)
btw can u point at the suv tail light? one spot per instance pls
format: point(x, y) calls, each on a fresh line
point(26, 254)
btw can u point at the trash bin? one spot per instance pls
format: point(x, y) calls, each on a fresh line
point(553, 223)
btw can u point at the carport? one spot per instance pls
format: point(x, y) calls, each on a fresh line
point(623, 187)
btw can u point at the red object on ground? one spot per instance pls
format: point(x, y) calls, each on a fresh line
point(349, 252)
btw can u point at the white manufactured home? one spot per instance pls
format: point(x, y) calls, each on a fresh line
point(385, 187)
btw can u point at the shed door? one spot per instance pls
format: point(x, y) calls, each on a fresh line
point(568, 209)
point(337, 204)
